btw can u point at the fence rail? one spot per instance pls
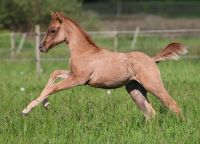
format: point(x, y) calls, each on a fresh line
point(128, 32)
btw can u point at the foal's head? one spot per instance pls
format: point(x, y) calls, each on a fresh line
point(55, 33)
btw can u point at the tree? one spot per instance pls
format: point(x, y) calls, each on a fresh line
point(24, 14)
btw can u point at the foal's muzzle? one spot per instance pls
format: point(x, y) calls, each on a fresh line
point(42, 48)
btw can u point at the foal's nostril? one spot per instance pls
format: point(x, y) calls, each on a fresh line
point(40, 46)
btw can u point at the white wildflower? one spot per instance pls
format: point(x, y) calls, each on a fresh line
point(108, 92)
point(22, 89)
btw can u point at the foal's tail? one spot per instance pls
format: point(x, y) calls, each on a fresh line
point(172, 51)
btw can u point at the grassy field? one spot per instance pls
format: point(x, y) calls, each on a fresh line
point(88, 115)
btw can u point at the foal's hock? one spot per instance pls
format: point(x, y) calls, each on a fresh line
point(98, 67)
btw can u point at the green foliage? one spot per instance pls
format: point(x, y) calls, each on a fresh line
point(166, 8)
point(23, 14)
point(8, 10)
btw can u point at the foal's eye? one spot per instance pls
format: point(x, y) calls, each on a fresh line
point(53, 31)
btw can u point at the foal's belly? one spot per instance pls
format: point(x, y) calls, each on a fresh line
point(109, 79)
point(108, 84)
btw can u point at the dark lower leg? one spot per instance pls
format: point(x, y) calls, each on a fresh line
point(139, 96)
point(142, 103)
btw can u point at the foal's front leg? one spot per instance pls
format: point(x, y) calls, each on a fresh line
point(55, 75)
point(71, 81)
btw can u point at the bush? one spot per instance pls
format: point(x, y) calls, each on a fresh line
point(23, 15)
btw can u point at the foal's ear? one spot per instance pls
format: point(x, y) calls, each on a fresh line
point(57, 15)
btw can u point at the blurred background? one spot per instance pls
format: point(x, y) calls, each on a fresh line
point(90, 115)
point(118, 25)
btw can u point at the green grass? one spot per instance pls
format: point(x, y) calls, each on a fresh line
point(88, 115)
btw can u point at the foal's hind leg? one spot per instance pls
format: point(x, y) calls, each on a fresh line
point(161, 93)
point(54, 75)
point(150, 79)
point(139, 95)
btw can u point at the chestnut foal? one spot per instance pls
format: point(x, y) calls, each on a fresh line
point(98, 67)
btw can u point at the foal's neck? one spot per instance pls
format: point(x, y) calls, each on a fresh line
point(79, 43)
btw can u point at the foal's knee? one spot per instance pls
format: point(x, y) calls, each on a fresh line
point(54, 74)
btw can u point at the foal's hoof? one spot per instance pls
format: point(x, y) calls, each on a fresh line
point(46, 105)
point(25, 112)
point(181, 116)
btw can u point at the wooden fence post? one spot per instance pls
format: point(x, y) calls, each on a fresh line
point(12, 45)
point(37, 52)
point(137, 30)
point(115, 41)
point(21, 43)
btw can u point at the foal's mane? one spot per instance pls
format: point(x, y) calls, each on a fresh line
point(87, 37)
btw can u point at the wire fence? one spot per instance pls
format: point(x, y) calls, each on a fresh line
point(24, 46)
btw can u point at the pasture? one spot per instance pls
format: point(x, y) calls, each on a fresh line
point(88, 115)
